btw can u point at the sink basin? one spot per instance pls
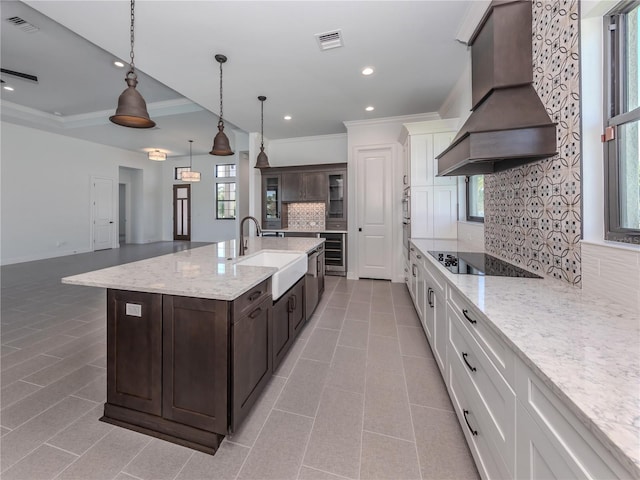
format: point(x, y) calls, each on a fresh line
point(291, 267)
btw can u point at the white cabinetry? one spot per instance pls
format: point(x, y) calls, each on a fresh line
point(485, 401)
point(434, 200)
point(515, 425)
point(551, 443)
point(436, 322)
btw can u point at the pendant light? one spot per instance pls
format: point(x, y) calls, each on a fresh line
point(221, 145)
point(190, 176)
point(132, 109)
point(157, 156)
point(262, 161)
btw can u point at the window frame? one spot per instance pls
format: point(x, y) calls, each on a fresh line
point(230, 169)
point(181, 169)
point(615, 116)
point(471, 218)
point(235, 201)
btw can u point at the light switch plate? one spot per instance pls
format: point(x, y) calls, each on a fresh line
point(133, 310)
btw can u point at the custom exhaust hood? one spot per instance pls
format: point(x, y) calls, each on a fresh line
point(509, 126)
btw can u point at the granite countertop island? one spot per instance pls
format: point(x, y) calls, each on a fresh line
point(585, 348)
point(193, 336)
point(204, 272)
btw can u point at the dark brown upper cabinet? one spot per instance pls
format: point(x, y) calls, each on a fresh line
point(304, 187)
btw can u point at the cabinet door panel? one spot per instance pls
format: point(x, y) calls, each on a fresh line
point(298, 307)
point(315, 186)
point(252, 359)
point(422, 212)
point(440, 142)
point(445, 212)
point(421, 160)
point(292, 190)
point(134, 352)
point(195, 362)
point(282, 331)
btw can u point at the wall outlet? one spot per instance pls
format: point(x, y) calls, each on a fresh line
point(133, 310)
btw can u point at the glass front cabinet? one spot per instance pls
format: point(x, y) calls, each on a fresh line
point(336, 209)
point(272, 201)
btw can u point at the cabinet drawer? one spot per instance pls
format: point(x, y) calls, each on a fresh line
point(497, 351)
point(497, 398)
point(248, 300)
point(336, 225)
point(476, 424)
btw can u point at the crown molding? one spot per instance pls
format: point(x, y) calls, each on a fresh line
point(421, 117)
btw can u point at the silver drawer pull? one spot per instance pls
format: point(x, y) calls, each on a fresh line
point(464, 357)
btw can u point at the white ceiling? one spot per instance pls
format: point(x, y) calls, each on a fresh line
point(272, 51)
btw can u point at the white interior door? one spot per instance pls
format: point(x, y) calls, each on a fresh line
point(103, 213)
point(374, 174)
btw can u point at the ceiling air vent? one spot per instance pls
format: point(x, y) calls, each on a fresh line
point(330, 40)
point(22, 24)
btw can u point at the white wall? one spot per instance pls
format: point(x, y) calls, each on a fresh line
point(308, 150)
point(46, 192)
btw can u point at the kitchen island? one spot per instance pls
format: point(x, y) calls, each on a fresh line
point(192, 337)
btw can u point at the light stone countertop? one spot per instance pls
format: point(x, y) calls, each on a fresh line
point(203, 272)
point(586, 349)
point(302, 230)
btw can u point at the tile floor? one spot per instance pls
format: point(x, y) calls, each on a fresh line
point(359, 395)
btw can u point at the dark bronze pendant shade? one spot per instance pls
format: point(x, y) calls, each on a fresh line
point(221, 146)
point(262, 161)
point(132, 109)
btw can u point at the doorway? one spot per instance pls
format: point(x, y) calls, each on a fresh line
point(182, 212)
point(102, 213)
point(373, 184)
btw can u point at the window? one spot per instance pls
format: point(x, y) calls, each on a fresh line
point(226, 200)
point(475, 198)
point(227, 170)
point(226, 192)
point(178, 172)
point(622, 121)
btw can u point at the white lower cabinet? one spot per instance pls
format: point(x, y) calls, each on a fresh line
point(551, 442)
point(489, 401)
point(516, 427)
point(436, 305)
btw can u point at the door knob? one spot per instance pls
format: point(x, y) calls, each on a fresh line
point(360, 229)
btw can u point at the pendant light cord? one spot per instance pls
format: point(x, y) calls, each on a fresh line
point(190, 145)
point(262, 124)
point(220, 122)
point(133, 2)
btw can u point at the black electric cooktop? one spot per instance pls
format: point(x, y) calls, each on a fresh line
point(473, 263)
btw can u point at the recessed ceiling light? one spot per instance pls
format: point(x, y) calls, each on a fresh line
point(9, 87)
point(287, 117)
point(118, 63)
point(57, 113)
point(369, 109)
point(367, 71)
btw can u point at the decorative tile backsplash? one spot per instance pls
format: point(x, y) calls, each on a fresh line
point(306, 215)
point(533, 213)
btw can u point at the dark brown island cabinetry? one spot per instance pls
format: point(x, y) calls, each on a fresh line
point(184, 369)
point(288, 319)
